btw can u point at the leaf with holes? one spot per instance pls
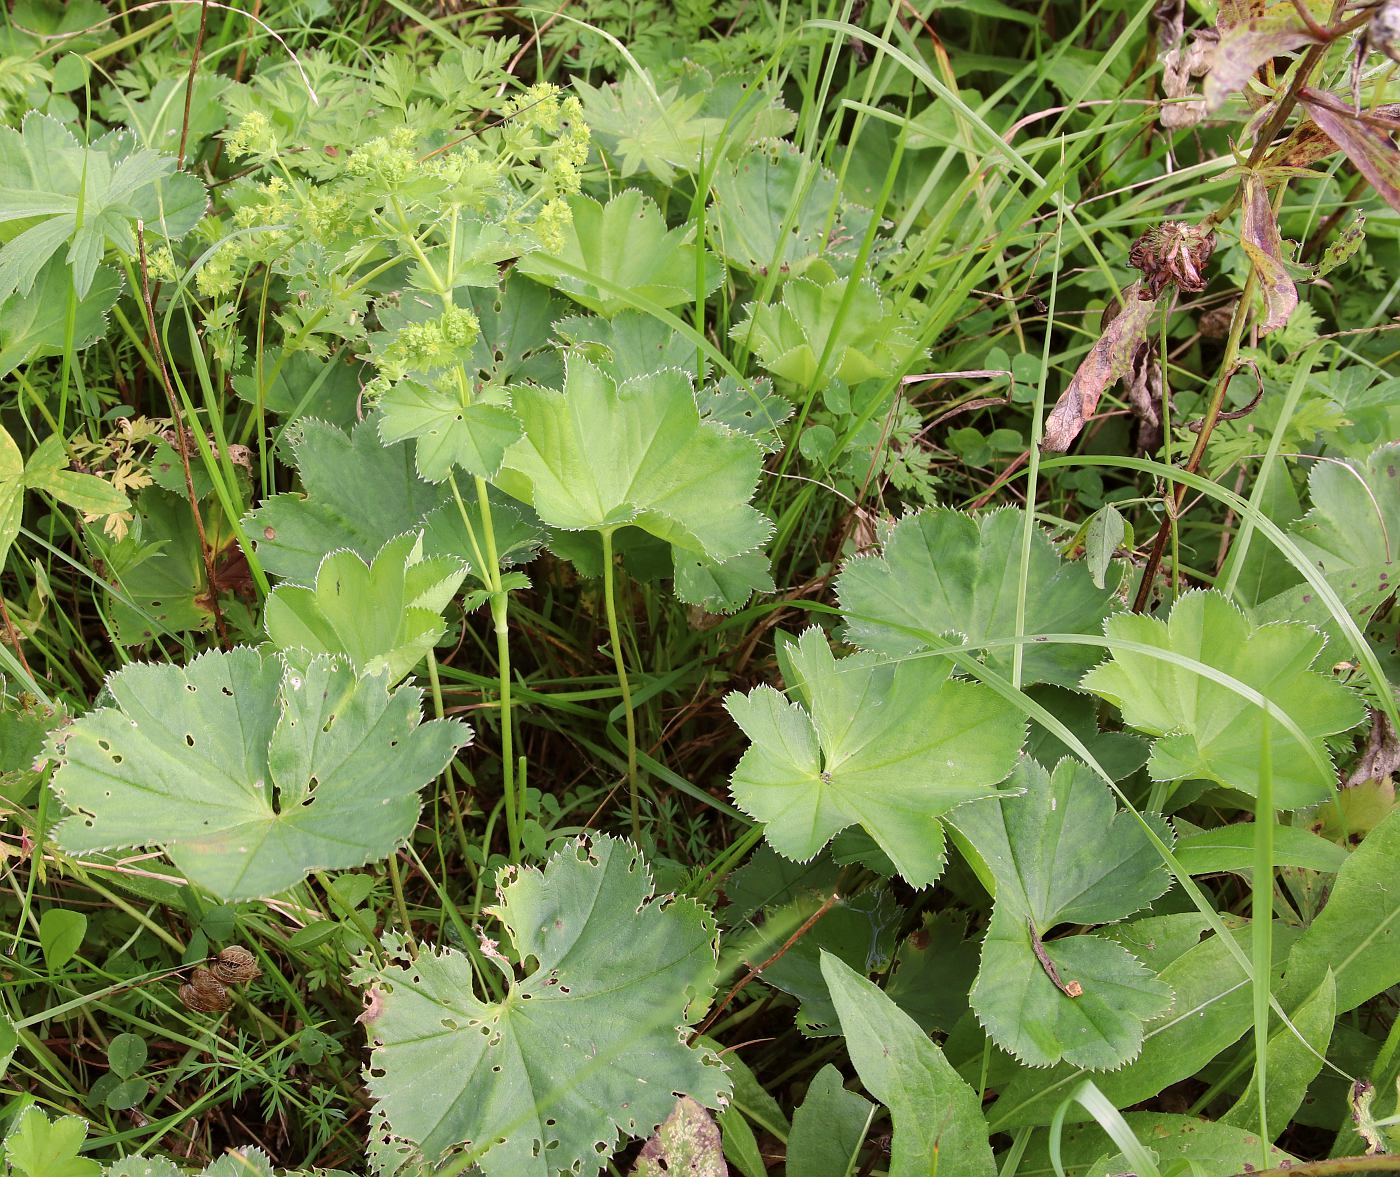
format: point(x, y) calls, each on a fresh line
point(600, 454)
point(888, 746)
point(385, 614)
point(587, 1046)
point(247, 774)
point(945, 575)
point(1203, 726)
point(1061, 852)
point(623, 246)
point(61, 192)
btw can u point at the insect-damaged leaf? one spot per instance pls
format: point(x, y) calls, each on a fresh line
point(1259, 236)
point(1107, 361)
point(249, 775)
point(890, 746)
point(1365, 140)
point(687, 1144)
point(584, 1047)
point(1248, 44)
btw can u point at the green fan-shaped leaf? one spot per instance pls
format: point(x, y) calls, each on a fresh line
point(628, 345)
point(59, 192)
point(625, 244)
point(888, 746)
point(756, 410)
point(583, 1050)
point(450, 432)
point(944, 574)
point(35, 325)
point(724, 587)
point(938, 1124)
point(755, 195)
point(660, 131)
point(600, 454)
point(39, 1147)
point(359, 494)
point(1061, 852)
point(386, 614)
point(866, 341)
point(247, 774)
point(1204, 728)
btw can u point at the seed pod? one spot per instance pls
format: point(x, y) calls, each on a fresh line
point(235, 966)
point(204, 993)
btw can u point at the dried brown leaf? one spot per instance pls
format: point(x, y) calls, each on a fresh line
point(1107, 361)
point(1381, 756)
point(687, 1145)
point(1180, 65)
point(1249, 44)
point(1143, 382)
point(1363, 137)
point(1260, 237)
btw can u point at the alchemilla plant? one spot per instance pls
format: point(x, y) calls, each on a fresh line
point(699, 588)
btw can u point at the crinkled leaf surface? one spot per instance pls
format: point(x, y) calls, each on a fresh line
point(64, 193)
point(938, 1124)
point(1061, 852)
point(1205, 728)
point(35, 325)
point(586, 1047)
point(627, 345)
point(756, 409)
point(625, 244)
point(601, 454)
point(359, 494)
point(473, 434)
point(386, 614)
point(660, 131)
point(889, 746)
point(249, 775)
point(943, 573)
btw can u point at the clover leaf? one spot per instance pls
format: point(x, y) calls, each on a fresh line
point(1062, 853)
point(944, 574)
point(601, 454)
point(249, 775)
point(585, 1047)
point(1204, 727)
point(889, 746)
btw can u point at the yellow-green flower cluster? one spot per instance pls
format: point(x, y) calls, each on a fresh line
point(254, 136)
point(391, 161)
point(420, 347)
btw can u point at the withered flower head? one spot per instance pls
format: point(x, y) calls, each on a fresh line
point(235, 965)
point(1172, 252)
point(204, 993)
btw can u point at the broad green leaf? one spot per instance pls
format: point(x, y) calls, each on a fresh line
point(867, 340)
point(720, 588)
point(770, 185)
point(64, 193)
point(9, 1042)
point(933, 972)
point(359, 494)
point(628, 345)
point(1231, 848)
point(11, 493)
point(828, 1128)
point(586, 1047)
point(1062, 852)
point(450, 432)
point(1210, 1146)
point(624, 243)
point(35, 325)
point(648, 128)
point(1292, 1065)
point(599, 455)
point(938, 1124)
point(126, 1054)
point(944, 575)
point(888, 746)
point(1212, 1005)
point(247, 774)
point(1204, 728)
point(61, 933)
point(754, 409)
point(687, 1144)
point(1357, 935)
point(384, 615)
point(40, 1147)
point(47, 470)
point(1032, 1018)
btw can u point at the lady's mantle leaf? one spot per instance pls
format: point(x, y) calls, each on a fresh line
point(35, 325)
point(584, 1049)
point(84, 197)
point(626, 245)
point(600, 454)
point(937, 1117)
point(1204, 727)
point(247, 774)
point(385, 614)
point(890, 746)
point(944, 574)
point(1061, 853)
